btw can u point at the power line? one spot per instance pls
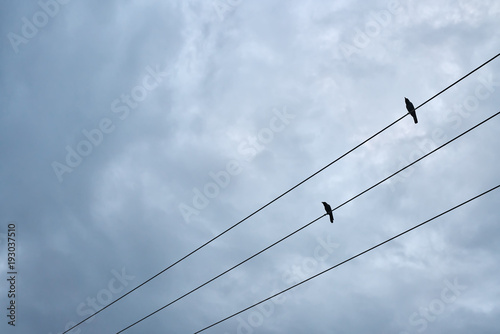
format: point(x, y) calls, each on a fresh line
point(272, 201)
point(453, 84)
point(308, 224)
point(349, 259)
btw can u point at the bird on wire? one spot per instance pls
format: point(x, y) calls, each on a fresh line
point(411, 110)
point(328, 210)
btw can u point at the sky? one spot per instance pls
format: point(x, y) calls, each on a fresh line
point(132, 132)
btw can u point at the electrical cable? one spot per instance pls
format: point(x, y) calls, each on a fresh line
point(310, 223)
point(349, 259)
point(272, 201)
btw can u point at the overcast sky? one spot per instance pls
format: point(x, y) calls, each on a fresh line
point(131, 132)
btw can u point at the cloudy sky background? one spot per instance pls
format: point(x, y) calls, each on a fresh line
point(340, 71)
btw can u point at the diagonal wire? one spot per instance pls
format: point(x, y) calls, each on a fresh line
point(308, 224)
point(349, 259)
point(453, 84)
point(274, 200)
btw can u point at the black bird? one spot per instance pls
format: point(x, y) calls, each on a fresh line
point(411, 110)
point(328, 210)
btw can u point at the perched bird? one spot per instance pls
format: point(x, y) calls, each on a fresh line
point(328, 210)
point(411, 110)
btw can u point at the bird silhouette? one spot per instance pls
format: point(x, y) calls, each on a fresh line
point(328, 210)
point(411, 110)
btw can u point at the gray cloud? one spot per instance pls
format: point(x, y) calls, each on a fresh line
point(342, 70)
